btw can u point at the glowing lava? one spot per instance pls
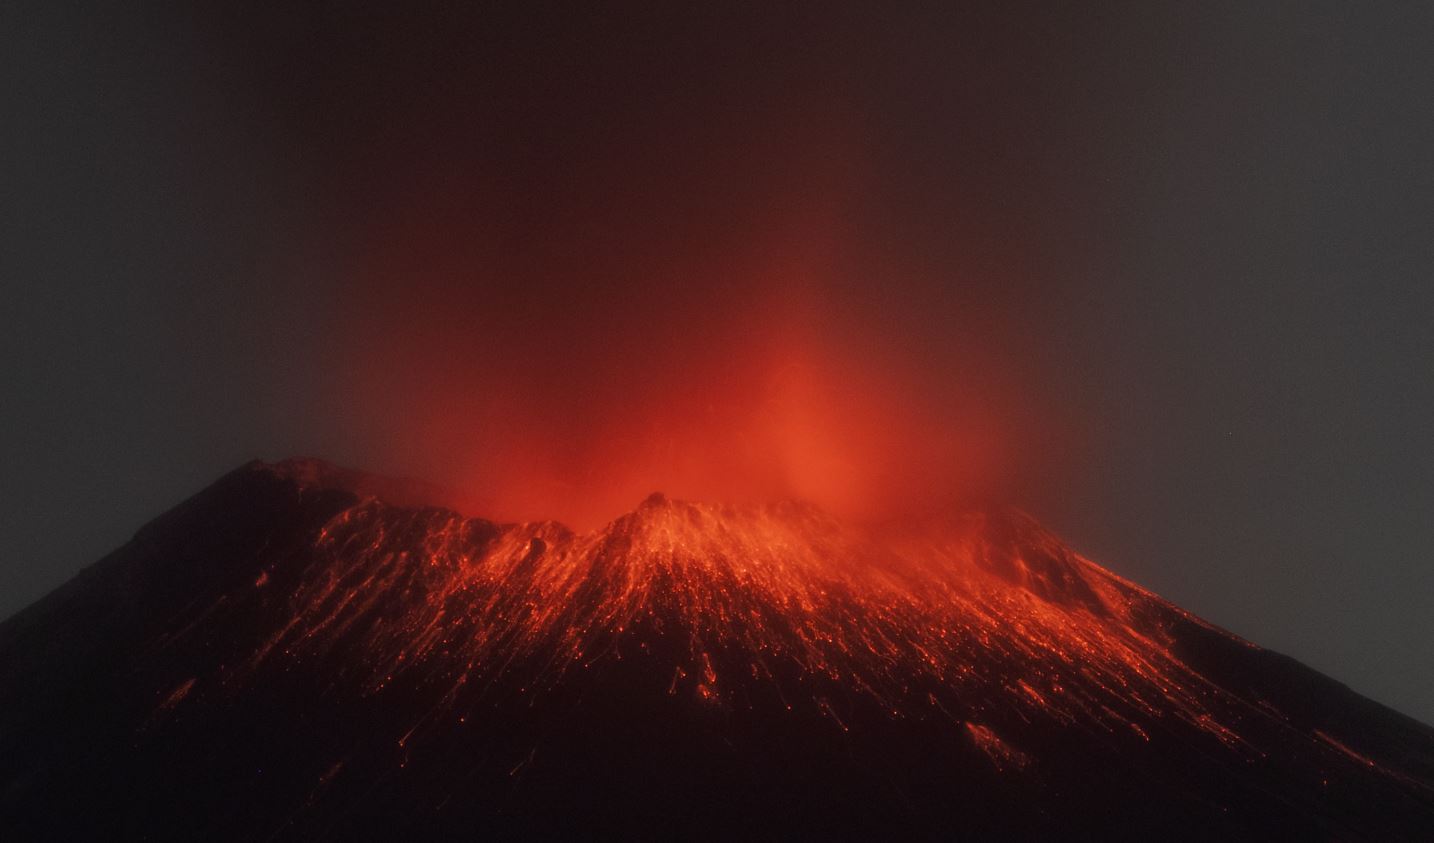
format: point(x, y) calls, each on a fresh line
point(979, 616)
point(312, 653)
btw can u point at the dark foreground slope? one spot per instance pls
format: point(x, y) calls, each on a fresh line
point(287, 656)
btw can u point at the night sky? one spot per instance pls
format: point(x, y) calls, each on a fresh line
point(1161, 276)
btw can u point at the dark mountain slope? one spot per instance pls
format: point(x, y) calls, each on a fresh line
point(303, 652)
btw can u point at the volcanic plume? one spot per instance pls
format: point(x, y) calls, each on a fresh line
point(304, 652)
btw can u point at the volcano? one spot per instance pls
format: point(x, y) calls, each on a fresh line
point(306, 652)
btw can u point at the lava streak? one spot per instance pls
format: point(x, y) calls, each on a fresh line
point(964, 619)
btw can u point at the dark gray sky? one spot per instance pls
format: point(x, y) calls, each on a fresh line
point(1196, 241)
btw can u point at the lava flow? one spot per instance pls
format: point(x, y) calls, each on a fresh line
point(321, 641)
point(984, 613)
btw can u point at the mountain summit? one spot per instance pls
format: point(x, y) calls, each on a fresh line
point(307, 652)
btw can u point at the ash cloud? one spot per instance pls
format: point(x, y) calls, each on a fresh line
point(587, 258)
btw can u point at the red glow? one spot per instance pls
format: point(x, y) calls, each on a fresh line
point(716, 320)
point(771, 421)
point(744, 392)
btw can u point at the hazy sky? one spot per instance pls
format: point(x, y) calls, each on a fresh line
point(1160, 275)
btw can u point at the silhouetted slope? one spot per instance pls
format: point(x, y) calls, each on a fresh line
point(289, 652)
